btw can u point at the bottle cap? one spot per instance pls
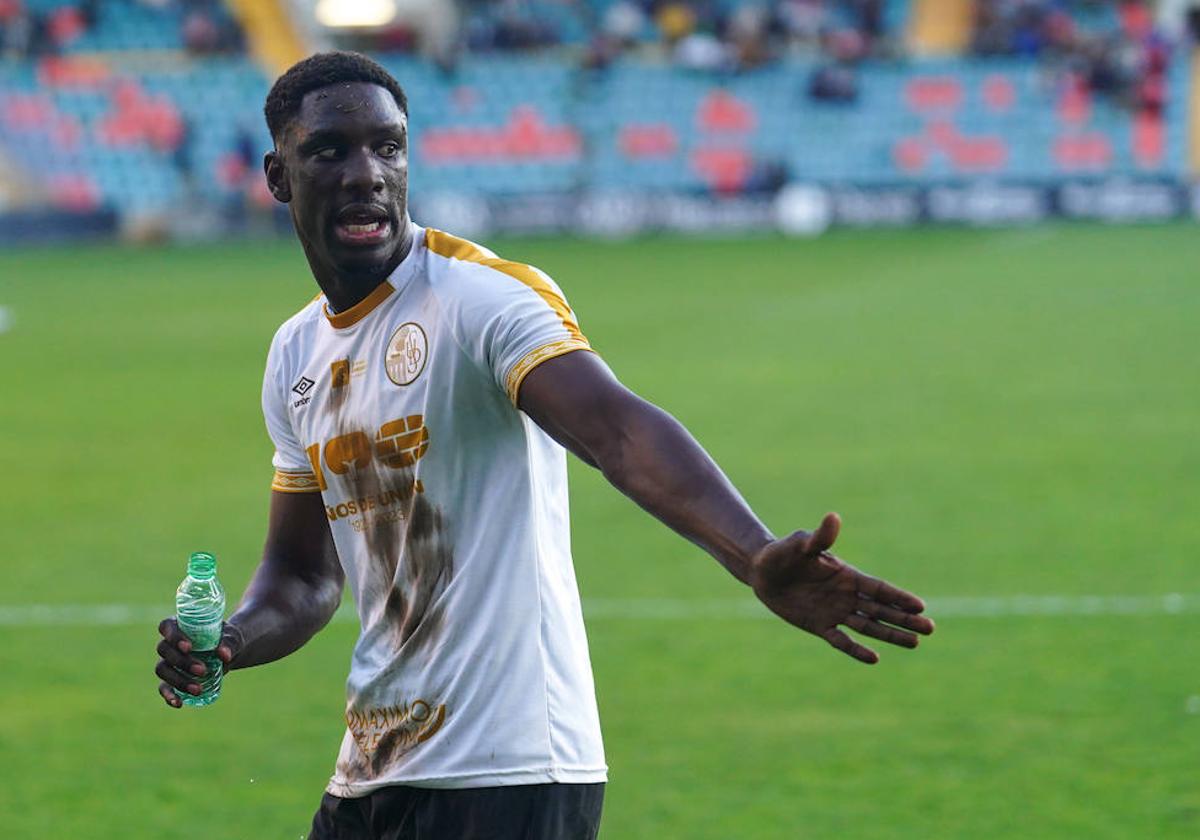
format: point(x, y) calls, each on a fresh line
point(202, 565)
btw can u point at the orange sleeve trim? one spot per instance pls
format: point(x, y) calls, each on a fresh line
point(291, 482)
point(512, 383)
point(446, 245)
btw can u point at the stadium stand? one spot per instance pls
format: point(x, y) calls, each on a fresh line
point(135, 106)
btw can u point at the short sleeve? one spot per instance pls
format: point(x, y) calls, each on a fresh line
point(510, 317)
point(293, 472)
point(533, 323)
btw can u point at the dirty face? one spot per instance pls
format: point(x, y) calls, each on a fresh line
point(342, 167)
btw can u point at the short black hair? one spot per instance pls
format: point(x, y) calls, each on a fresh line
point(318, 71)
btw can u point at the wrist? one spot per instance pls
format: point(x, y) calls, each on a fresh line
point(233, 639)
point(743, 555)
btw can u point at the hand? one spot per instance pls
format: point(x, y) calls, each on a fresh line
point(177, 669)
point(800, 581)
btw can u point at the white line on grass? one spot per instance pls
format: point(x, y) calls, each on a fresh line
point(674, 609)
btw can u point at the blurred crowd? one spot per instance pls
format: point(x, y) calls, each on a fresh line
point(724, 36)
point(204, 26)
point(693, 34)
point(1122, 55)
point(710, 36)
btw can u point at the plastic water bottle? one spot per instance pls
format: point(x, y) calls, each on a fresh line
point(200, 611)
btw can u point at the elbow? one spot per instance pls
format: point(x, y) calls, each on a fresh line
point(322, 599)
point(329, 596)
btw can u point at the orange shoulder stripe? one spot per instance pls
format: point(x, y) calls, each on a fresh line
point(446, 245)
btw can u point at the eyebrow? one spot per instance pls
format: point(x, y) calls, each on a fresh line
point(320, 137)
point(333, 135)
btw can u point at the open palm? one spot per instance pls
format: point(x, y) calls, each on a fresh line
point(800, 581)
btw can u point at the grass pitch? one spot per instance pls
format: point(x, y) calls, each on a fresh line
point(993, 413)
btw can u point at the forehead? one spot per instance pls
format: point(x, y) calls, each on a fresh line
point(346, 106)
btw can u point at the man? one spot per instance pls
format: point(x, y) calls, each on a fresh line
point(419, 409)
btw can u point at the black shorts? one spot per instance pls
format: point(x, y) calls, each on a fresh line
point(518, 812)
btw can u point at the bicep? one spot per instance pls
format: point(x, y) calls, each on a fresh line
point(299, 539)
point(576, 399)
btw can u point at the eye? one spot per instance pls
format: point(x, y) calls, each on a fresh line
point(389, 149)
point(326, 153)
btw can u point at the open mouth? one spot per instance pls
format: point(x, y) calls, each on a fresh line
point(362, 224)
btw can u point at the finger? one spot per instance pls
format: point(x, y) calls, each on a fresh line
point(822, 538)
point(169, 695)
point(850, 647)
point(909, 621)
point(180, 661)
point(885, 593)
point(169, 629)
point(883, 632)
point(175, 679)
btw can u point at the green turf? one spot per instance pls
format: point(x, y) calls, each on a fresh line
point(993, 413)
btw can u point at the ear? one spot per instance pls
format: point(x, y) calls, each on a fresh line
point(277, 177)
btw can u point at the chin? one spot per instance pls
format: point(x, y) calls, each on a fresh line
point(363, 262)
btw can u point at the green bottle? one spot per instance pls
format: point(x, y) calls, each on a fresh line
point(200, 611)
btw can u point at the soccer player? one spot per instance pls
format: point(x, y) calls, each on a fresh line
point(420, 409)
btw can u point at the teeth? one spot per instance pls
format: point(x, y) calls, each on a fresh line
point(368, 228)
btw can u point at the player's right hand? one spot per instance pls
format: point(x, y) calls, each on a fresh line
point(177, 668)
point(800, 581)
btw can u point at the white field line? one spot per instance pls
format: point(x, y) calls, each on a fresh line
point(674, 609)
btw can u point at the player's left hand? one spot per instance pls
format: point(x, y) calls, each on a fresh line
point(800, 581)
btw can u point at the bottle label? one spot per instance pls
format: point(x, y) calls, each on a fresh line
point(204, 636)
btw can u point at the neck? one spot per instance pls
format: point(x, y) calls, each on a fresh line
point(343, 288)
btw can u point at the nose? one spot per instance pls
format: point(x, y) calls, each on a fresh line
point(363, 173)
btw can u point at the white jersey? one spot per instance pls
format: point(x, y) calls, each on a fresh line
point(449, 510)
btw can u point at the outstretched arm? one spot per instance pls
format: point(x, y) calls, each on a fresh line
point(651, 457)
point(293, 594)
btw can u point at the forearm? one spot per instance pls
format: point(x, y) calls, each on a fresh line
point(656, 462)
point(279, 613)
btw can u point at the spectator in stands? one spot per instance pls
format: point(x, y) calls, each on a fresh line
point(64, 25)
point(801, 23)
point(14, 29)
point(836, 80)
point(620, 27)
point(623, 23)
point(25, 33)
point(767, 177)
point(747, 31)
point(209, 28)
point(835, 83)
point(706, 35)
point(508, 25)
point(870, 22)
point(701, 51)
point(1125, 63)
point(181, 147)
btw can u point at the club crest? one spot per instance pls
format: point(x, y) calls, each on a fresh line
point(407, 350)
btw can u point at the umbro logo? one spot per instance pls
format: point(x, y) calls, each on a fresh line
point(302, 387)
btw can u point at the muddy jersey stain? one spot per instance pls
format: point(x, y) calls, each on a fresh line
point(409, 547)
point(394, 744)
point(420, 536)
point(357, 766)
point(412, 558)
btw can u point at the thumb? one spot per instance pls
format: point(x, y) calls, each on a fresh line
point(806, 543)
point(231, 643)
point(825, 535)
